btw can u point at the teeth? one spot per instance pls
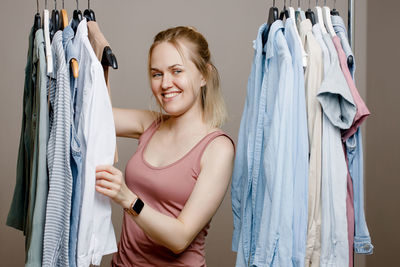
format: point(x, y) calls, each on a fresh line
point(170, 95)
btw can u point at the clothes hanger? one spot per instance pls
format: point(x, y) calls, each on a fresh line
point(89, 13)
point(63, 17)
point(320, 18)
point(327, 20)
point(76, 17)
point(303, 52)
point(55, 21)
point(310, 14)
point(46, 24)
point(273, 15)
point(37, 23)
point(284, 12)
point(108, 58)
point(334, 12)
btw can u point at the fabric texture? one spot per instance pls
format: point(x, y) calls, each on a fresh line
point(17, 215)
point(313, 78)
point(156, 186)
point(72, 52)
point(99, 42)
point(338, 113)
point(58, 208)
point(96, 130)
point(301, 143)
point(39, 184)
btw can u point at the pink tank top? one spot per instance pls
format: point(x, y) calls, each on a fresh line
point(165, 189)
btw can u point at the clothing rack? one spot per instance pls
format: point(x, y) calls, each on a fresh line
point(351, 23)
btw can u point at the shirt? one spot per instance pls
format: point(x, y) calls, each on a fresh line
point(56, 231)
point(313, 79)
point(40, 185)
point(274, 232)
point(300, 137)
point(17, 214)
point(97, 132)
point(338, 113)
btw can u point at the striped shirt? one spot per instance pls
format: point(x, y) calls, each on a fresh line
point(56, 233)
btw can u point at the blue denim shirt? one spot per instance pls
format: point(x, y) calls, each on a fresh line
point(241, 187)
point(274, 244)
point(264, 120)
point(72, 51)
point(362, 239)
point(300, 138)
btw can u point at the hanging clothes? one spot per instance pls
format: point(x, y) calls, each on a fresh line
point(40, 189)
point(56, 233)
point(313, 79)
point(96, 236)
point(99, 42)
point(301, 151)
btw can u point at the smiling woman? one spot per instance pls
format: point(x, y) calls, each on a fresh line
point(177, 178)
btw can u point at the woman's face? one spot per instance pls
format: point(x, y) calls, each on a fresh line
point(176, 86)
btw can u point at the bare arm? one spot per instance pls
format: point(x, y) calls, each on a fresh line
point(207, 195)
point(131, 122)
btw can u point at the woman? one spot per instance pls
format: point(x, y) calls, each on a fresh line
point(181, 170)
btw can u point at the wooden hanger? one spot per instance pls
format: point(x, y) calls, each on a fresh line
point(64, 17)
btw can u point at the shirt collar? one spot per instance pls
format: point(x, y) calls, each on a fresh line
point(269, 46)
point(69, 44)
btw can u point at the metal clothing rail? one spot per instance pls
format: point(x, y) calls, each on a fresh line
point(351, 23)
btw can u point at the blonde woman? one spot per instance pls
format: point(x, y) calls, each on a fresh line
point(177, 178)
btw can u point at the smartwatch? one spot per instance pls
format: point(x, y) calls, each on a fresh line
point(136, 207)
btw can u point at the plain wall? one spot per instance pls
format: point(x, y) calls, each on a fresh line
point(383, 128)
point(230, 26)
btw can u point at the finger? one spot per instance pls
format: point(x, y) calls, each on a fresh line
point(107, 184)
point(105, 175)
point(105, 191)
point(107, 168)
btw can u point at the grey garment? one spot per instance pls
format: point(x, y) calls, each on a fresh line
point(37, 204)
point(336, 101)
point(17, 215)
point(56, 233)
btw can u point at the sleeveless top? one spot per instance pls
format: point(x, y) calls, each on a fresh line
point(165, 189)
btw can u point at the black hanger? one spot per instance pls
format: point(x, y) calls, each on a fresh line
point(310, 14)
point(334, 12)
point(89, 13)
point(76, 17)
point(284, 12)
point(37, 23)
point(273, 14)
point(55, 21)
point(108, 58)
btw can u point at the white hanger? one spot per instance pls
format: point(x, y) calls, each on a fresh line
point(49, 57)
point(293, 17)
point(328, 20)
point(320, 18)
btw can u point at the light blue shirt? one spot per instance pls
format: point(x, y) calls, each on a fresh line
point(301, 148)
point(362, 239)
point(338, 113)
point(274, 243)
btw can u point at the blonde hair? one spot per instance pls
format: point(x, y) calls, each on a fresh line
point(214, 110)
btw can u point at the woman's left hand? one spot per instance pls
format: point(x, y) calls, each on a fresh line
point(110, 182)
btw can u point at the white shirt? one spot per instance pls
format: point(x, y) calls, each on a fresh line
point(96, 130)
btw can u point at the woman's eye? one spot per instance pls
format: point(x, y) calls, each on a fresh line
point(177, 71)
point(156, 75)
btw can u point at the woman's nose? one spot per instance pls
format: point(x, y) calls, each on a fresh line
point(167, 81)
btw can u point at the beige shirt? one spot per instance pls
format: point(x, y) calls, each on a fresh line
point(313, 78)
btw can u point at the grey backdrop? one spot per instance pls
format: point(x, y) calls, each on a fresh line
point(129, 26)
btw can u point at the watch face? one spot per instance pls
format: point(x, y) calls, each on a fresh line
point(138, 206)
